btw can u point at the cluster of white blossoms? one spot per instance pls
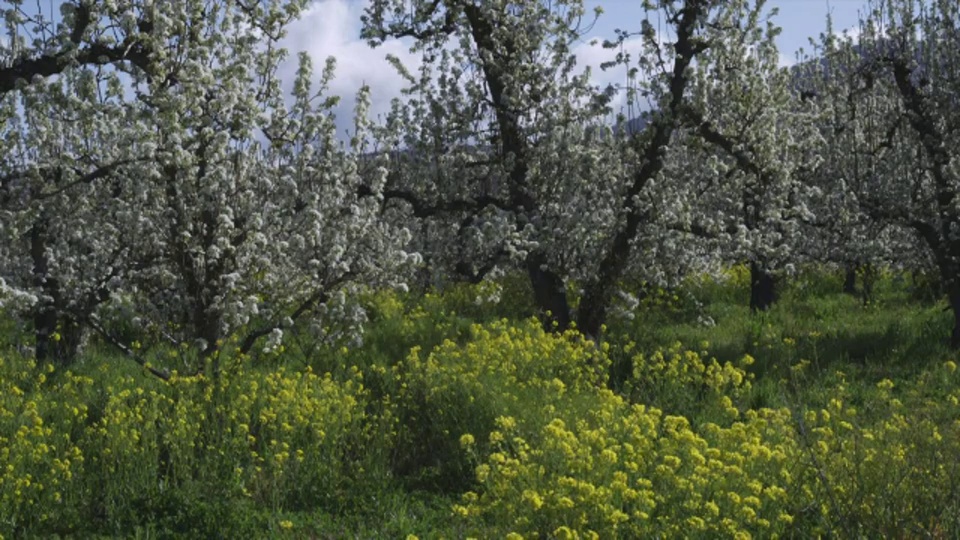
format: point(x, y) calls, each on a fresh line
point(184, 190)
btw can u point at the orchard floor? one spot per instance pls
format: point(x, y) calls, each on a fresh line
point(460, 417)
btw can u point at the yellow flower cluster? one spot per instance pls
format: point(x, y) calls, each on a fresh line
point(282, 438)
point(630, 471)
point(460, 390)
point(595, 464)
point(277, 430)
point(680, 381)
point(737, 276)
point(39, 460)
point(883, 463)
point(524, 354)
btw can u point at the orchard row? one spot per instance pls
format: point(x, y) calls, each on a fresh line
point(161, 182)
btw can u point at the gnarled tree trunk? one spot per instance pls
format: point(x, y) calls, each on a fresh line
point(850, 280)
point(56, 335)
point(954, 298)
point(550, 293)
point(763, 288)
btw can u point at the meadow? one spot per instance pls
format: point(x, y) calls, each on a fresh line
point(460, 417)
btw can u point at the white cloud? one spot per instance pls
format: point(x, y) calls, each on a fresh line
point(332, 28)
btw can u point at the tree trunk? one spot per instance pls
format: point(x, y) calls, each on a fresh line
point(869, 278)
point(56, 337)
point(550, 293)
point(850, 280)
point(207, 328)
point(763, 291)
point(598, 292)
point(593, 309)
point(45, 314)
point(954, 298)
point(44, 326)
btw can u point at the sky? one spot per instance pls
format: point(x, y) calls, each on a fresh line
point(799, 19)
point(332, 27)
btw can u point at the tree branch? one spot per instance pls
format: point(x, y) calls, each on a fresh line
point(320, 296)
point(131, 50)
point(127, 351)
point(425, 210)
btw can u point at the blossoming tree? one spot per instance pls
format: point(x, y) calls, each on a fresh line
point(579, 205)
point(62, 145)
point(899, 78)
point(763, 142)
point(218, 206)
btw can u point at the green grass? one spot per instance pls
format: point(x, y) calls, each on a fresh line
point(892, 336)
